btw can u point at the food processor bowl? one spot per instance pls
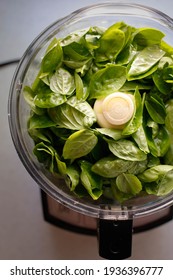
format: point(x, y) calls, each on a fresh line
point(115, 221)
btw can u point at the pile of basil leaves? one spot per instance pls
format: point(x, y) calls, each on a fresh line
point(90, 64)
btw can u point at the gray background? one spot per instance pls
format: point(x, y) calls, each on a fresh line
point(23, 232)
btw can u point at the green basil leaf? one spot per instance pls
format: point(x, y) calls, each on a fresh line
point(169, 116)
point(92, 41)
point(73, 176)
point(126, 55)
point(76, 52)
point(73, 37)
point(52, 58)
point(117, 194)
point(107, 80)
point(166, 184)
point(166, 47)
point(80, 66)
point(168, 75)
point(163, 187)
point(39, 135)
point(158, 142)
point(126, 149)
point(29, 96)
point(144, 61)
point(111, 43)
point(42, 121)
point(49, 100)
point(91, 181)
point(141, 139)
point(45, 77)
point(46, 154)
point(168, 157)
point(160, 83)
point(83, 107)
point(133, 85)
point(115, 134)
point(137, 167)
point(148, 36)
point(137, 118)
point(111, 167)
point(128, 183)
point(152, 161)
point(156, 108)
point(60, 165)
point(79, 86)
point(74, 114)
point(62, 82)
point(154, 173)
point(65, 116)
point(79, 144)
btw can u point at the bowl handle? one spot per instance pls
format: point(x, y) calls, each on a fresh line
point(115, 238)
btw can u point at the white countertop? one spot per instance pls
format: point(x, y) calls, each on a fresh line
point(23, 232)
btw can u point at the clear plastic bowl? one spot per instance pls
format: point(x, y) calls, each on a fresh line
point(104, 14)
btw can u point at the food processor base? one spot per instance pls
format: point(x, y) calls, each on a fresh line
point(63, 217)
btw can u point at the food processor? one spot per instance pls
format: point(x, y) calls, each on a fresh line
point(114, 222)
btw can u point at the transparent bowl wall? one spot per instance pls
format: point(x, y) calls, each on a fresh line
point(97, 15)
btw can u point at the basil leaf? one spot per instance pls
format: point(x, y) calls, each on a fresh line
point(76, 51)
point(107, 80)
point(169, 116)
point(117, 194)
point(91, 181)
point(166, 184)
point(74, 114)
point(168, 75)
point(111, 43)
point(128, 183)
point(42, 121)
point(141, 139)
point(144, 61)
point(168, 157)
point(111, 167)
point(161, 84)
point(73, 176)
point(156, 108)
point(80, 66)
point(163, 187)
point(148, 36)
point(125, 149)
point(158, 144)
point(115, 134)
point(133, 85)
point(73, 37)
point(79, 144)
point(40, 135)
point(84, 108)
point(137, 167)
point(79, 86)
point(46, 154)
point(166, 47)
point(29, 96)
point(45, 77)
point(154, 173)
point(65, 116)
point(126, 55)
point(137, 118)
point(62, 82)
point(49, 100)
point(52, 58)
